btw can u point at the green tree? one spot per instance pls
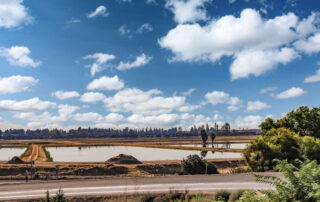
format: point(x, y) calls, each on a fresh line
point(304, 121)
point(275, 144)
point(204, 137)
point(310, 148)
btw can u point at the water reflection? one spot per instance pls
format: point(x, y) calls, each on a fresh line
point(103, 153)
point(203, 154)
point(7, 153)
point(224, 145)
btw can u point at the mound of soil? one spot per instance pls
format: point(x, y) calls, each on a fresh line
point(15, 160)
point(124, 159)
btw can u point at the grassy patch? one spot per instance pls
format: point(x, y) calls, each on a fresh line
point(49, 158)
point(25, 152)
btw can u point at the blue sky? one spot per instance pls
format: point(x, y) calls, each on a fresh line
point(156, 63)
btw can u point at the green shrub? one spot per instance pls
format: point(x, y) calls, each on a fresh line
point(311, 148)
point(59, 197)
point(25, 152)
point(240, 170)
point(236, 195)
point(251, 196)
point(195, 165)
point(198, 198)
point(278, 143)
point(49, 158)
point(222, 195)
point(146, 198)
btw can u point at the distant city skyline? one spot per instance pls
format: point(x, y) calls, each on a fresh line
point(156, 63)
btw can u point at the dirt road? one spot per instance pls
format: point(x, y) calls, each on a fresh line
point(35, 153)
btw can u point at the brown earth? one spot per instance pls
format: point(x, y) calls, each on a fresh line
point(35, 153)
point(124, 159)
point(68, 170)
point(15, 160)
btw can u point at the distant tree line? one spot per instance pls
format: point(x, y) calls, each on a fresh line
point(121, 133)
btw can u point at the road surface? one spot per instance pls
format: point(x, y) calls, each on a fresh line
point(10, 190)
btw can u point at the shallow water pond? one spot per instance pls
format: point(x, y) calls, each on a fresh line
point(7, 153)
point(223, 145)
point(103, 153)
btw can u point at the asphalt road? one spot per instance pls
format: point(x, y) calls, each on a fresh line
point(10, 190)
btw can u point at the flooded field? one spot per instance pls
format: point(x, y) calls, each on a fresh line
point(7, 153)
point(103, 153)
point(224, 146)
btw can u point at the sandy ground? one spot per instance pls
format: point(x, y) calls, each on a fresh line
point(35, 153)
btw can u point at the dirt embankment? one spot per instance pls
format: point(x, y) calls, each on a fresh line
point(35, 153)
point(47, 170)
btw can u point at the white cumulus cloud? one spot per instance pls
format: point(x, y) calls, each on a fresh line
point(291, 93)
point(257, 45)
point(87, 117)
point(138, 62)
point(15, 84)
point(34, 104)
point(62, 95)
point(267, 90)
point(310, 45)
point(47, 119)
point(19, 56)
point(313, 78)
point(13, 14)
point(220, 97)
point(187, 10)
point(100, 62)
point(106, 83)
point(92, 97)
point(256, 106)
point(146, 102)
point(249, 121)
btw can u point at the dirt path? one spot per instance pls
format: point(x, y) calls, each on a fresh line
point(35, 153)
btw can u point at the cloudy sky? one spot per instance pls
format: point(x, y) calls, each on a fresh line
point(156, 63)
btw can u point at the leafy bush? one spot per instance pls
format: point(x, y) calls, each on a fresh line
point(274, 144)
point(311, 148)
point(251, 196)
point(195, 165)
point(303, 185)
point(59, 197)
point(236, 195)
point(222, 195)
point(146, 198)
